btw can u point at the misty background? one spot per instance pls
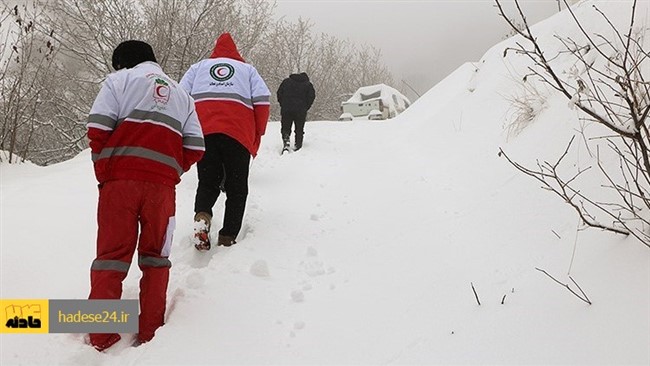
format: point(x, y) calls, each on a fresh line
point(54, 54)
point(421, 41)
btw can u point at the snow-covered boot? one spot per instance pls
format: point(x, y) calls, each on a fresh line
point(201, 238)
point(226, 240)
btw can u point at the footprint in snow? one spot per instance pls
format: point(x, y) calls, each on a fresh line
point(260, 269)
point(297, 296)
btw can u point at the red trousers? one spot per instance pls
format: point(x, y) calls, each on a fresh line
point(127, 209)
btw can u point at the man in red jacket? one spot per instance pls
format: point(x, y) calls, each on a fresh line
point(144, 133)
point(232, 102)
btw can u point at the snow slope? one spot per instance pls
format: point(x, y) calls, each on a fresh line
point(361, 248)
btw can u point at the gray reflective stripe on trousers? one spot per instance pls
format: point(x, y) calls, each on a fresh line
point(153, 262)
point(153, 116)
point(141, 152)
point(262, 98)
point(110, 265)
point(234, 96)
point(100, 119)
point(193, 141)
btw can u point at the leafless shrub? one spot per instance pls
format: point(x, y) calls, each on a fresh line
point(607, 85)
point(524, 109)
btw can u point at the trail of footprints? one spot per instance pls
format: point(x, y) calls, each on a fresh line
point(314, 268)
point(311, 267)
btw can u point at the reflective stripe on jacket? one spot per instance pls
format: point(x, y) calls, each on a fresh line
point(231, 97)
point(143, 126)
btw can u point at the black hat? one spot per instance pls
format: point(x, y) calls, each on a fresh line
point(130, 53)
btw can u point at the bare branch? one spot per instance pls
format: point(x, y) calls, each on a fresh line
point(582, 297)
point(475, 294)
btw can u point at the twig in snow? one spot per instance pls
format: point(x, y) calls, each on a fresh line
point(580, 288)
point(583, 297)
point(475, 294)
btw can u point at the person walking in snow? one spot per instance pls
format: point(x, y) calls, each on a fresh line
point(232, 101)
point(296, 94)
point(144, 133)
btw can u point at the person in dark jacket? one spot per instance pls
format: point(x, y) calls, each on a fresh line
point(296, 95)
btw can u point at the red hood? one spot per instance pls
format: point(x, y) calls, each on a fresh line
point(225, 47)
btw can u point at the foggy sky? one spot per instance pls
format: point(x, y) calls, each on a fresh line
point(421, 41)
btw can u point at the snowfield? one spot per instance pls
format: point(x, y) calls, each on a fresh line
point(363, 247)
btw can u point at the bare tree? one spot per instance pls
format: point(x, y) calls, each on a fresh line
point(286, 48)
point(342, 69)
point(368, 68)
point(183, 32)
point(29, 89)
point(87, 31)
point(53, 67)
point(333, 77)
point(607, 85)
point(336, 67)
point(255, 18)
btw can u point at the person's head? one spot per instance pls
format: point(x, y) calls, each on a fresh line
point(130, 53)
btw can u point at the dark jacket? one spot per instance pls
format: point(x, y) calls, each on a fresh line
point(296, 93)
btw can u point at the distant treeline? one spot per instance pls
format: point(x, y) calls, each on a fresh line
point(55, 55)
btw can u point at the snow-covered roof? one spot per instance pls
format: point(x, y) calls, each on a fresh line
point(379, 91)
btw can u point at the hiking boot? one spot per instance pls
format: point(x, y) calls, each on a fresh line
point(226, 240)
point(201, 238)
point(298, 143)
point(286, 142)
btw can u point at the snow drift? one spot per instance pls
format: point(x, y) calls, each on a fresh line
point(363, 247)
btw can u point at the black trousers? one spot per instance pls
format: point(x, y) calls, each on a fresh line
point(290, 117)
point(227, 161)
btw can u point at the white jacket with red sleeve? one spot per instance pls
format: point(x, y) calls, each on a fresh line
point(231, 97)
point(143, 126)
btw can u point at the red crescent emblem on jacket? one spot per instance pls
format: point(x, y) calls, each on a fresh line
point(162, 91)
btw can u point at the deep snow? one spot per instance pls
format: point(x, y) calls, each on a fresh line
point(361, 247)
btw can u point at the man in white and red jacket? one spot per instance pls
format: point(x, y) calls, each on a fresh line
point(144, 133)
point(232, 102)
